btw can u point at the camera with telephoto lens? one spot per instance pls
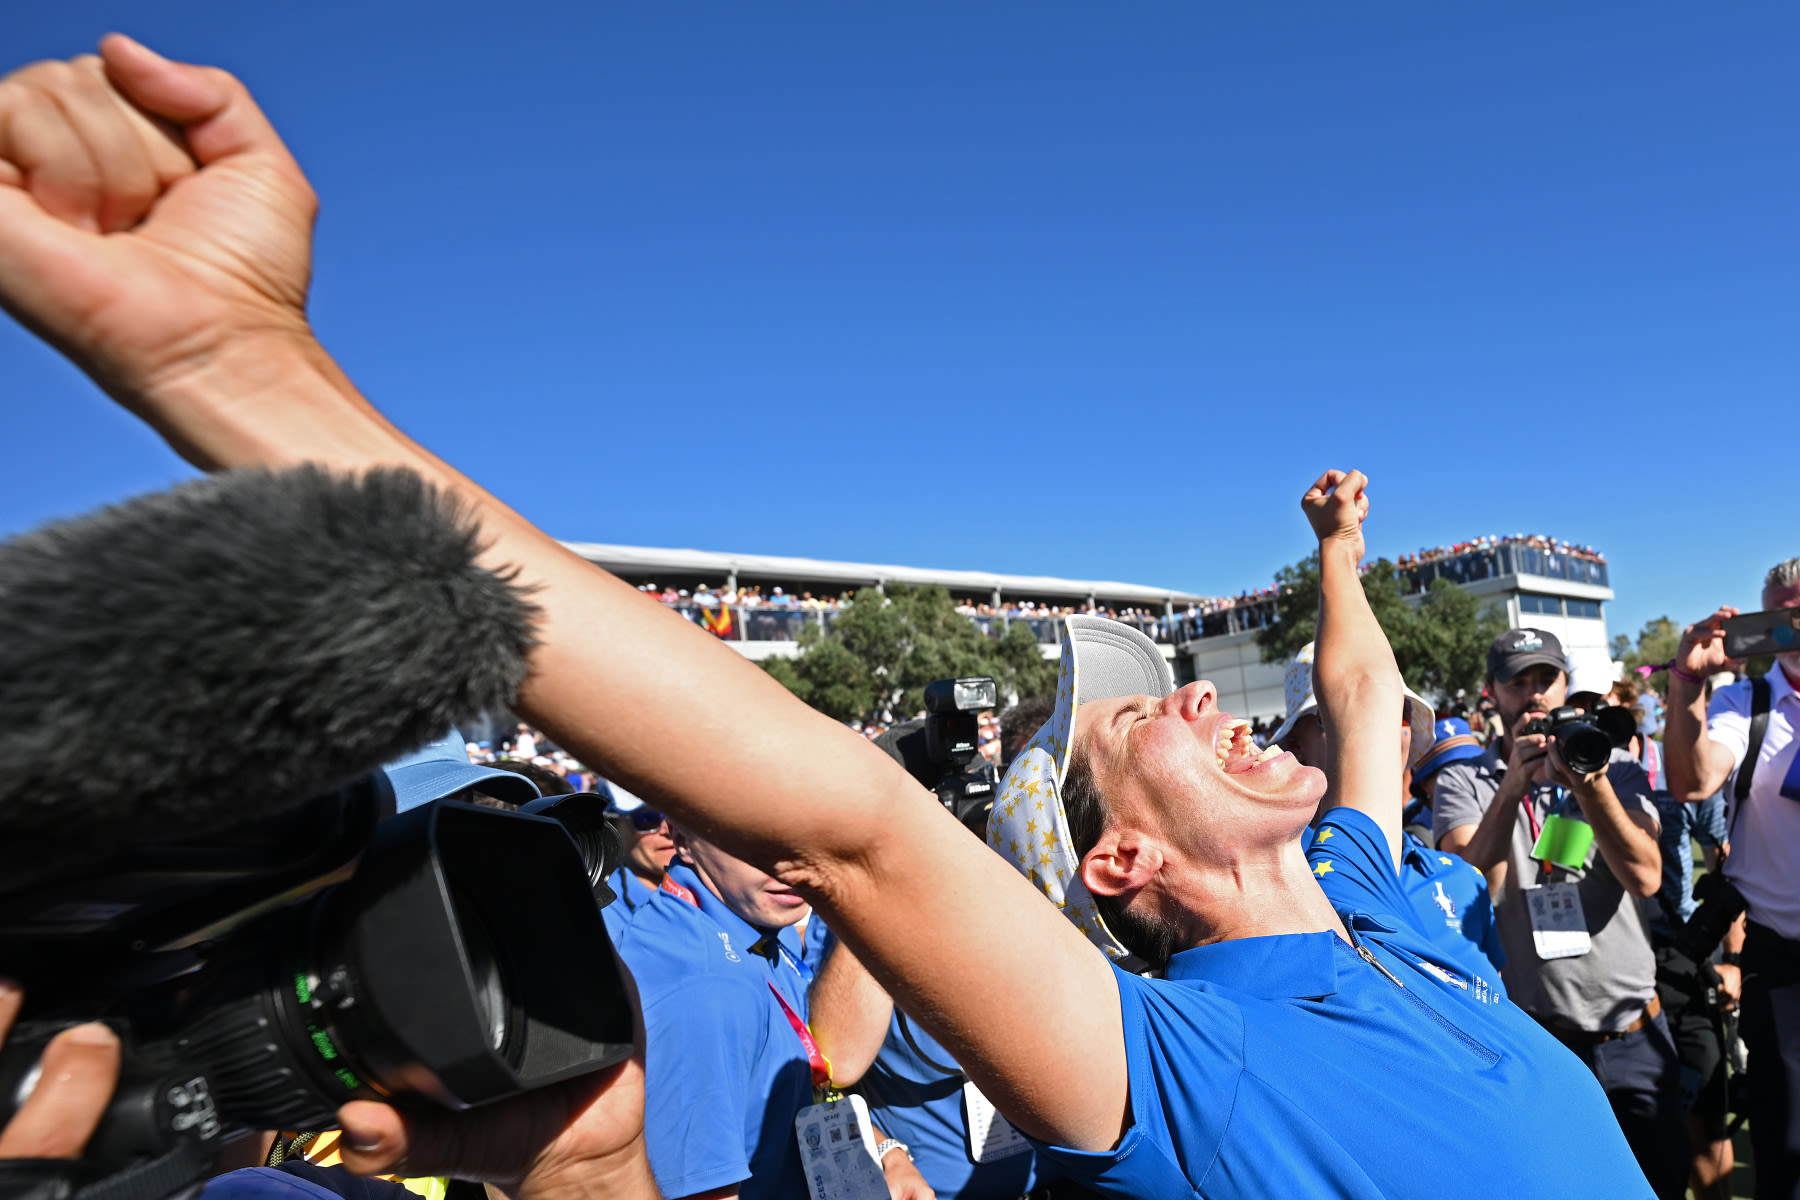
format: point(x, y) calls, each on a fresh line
point(1720, 904)
point(1585, 741)
point(261, 976)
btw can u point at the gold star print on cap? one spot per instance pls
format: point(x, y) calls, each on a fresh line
point(1028, 826)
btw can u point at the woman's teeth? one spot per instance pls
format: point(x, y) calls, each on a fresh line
point(1237, 748)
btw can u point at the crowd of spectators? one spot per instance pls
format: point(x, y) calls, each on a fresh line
point(1533, 541)
point(751, 596)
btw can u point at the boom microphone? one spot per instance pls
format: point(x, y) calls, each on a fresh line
point(224, 650)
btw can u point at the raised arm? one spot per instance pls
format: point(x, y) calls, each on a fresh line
point(176, 276)
point(1697, 765)
point(1354, 674)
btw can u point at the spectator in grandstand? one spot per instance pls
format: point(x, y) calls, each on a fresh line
point(1279, 1057)
point(1742, 742)
point(1600, 1000)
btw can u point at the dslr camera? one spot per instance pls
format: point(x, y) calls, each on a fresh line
point(938, 749)
point(1720, 904)
point(953, 741)
point(1586, 740)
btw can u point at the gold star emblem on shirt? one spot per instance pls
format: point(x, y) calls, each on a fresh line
point(1325, 834)
point(1443, 860)
point(1320, 868)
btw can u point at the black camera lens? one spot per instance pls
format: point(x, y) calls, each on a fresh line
point(1585, 748)
point(464, 962)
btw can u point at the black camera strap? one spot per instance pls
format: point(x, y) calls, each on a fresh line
point(1746, 772)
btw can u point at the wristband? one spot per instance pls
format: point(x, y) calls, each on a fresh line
point(1687, 675)
point(1729, 958)
point(881, 1151)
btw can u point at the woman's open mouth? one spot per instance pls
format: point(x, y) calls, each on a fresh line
point(1237, 749)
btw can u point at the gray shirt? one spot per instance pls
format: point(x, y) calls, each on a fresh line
point(1604, 989)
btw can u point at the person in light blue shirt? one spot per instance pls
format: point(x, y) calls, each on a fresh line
point(725, 1070)
point(644, 832)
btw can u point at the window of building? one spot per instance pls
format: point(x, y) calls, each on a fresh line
point(1584, 608)
point(1545, 605)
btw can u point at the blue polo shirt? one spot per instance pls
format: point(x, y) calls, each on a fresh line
point(631, 894)
point(1448, 899)
point(725, 1073)
point(1293, 1066)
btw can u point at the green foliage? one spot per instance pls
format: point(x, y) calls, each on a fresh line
point(1441, 644)
point(882, 650)
point(1656, 643)
point(1446, 641)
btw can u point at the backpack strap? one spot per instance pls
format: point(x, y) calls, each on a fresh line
point(1746, 772)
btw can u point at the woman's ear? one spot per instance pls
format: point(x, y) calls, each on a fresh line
point(1120, 862)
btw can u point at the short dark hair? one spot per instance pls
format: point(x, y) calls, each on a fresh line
point(1150, 938)
point(1020, 723)
point(548, 782)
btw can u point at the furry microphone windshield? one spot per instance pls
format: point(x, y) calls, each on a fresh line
point(203, 656)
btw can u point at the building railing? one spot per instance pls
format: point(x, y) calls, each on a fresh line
point(1472, 566)
point(752, 623)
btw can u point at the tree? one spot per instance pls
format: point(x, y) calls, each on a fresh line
point(1451, 631)
point(1656, 644)
point(1440, 645)
point(883, 649)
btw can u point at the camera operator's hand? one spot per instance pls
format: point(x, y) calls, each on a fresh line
point(1336, 506)
point(580, 1138)
point(151, 220)
point(78, 1071)
point(1526, 761)
point(1702, 648)
point(1731, 985)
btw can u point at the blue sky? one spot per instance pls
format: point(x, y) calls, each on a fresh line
point(1068, 289)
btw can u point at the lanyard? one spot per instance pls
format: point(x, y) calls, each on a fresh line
point(821, 1067)
point(676, 890)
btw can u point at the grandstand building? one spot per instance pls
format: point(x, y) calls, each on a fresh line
point(1203, 637)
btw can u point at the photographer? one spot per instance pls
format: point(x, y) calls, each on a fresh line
point(1744, 742)
point(1578, 954)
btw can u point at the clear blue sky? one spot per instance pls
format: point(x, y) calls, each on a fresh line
point(1074, 289)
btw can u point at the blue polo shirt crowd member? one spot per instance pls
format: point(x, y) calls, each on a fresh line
point(723, 991)
point(1448, 897)
point(644, 833)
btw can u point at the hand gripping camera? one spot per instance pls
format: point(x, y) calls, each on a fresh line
point(1586, 741)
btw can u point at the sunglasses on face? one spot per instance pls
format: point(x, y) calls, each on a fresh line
point(646, 819)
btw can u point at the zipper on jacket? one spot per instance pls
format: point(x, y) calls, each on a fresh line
point(1474, 1047)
